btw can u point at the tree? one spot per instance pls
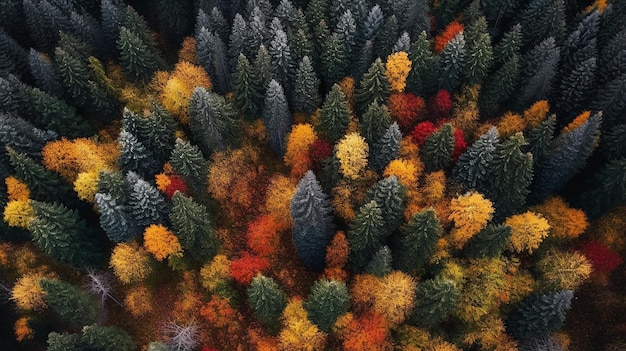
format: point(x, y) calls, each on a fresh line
point(211, 54)
point(44, 72)
point(394, 297)
point(527, 231)
point(70, 303)
point(160, 242)
point(564, 270)
point(173, 19)
point(346, 29)
point(182, 337)
point(282, 63)
point(472, 168)
point(380, 264)
point(390, 195)
point(566, 222)
point(116, 217)
point(435, 299)
point(27, 293)
point(156, 131)
point(98, 337)
point(134, 156)
point(300, 334)
point(248, 96)
point(333, 59)
point(438, 148)
point(352, 152)
point(542, 19)
point(470, 213)
point(267, 299)
point(374, 85)
point(130, 263)
point(366, 234)
point(335, 114)
point(306, 88)
point(539, 314)
point(417, 240)
point(478, 51)
point(328, 300)
point(138, 59)
point(607, 189)
point(276, 117)
point(489, 242)
point(424, 74)
point(386, 149)
point(398, 67)
point(212, 121)
point(187, 160)
point(539, 67)
point(313, 227)
point(452, 63)
point(192, 224)
point(146, 203)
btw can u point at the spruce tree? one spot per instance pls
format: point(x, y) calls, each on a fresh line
point(606, 190)
point(262, 69)
point(276, 117)
point(417, 241)
point(374, 122)
point(436, 299)
point(212, 121)
point(537, 71)
point(192, 224)
point(328, 300)
point(313, 221)
point(301, 44)
point(452, 63)
point(366, 234)
point(236, 40)
point(13, 57)
point(364, 59)
point(438, 148)
point(472, 168)
point(44, 73)
point(538, 314)
point(97, 337)
point(113, 16)
point(346, 29)
point(70, 303)
point(386, 149)
point(316, 11)
point(267, 300)
point(211, 53)
point(499, 86)
point(611, 100)
point(489, 242)
point(137, 58)
point(248, 97)
point(390, 195)
point(282, 63)
point(386, 37)
point(146, 203)
point(478, 51)
point(541, 139)
point(257, 33)
point(373, 22)
point(424, 74)
point(542, 19)
point(22, 137)
point(335, 114)
point(134, 156)
point(374, 86)
point(116, 218)
point(306, 96)
point(333, 60)
point(156, 132)
point(381, 262)
point(187, 160)
point(403, 43)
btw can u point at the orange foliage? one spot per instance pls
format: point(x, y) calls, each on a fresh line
point(407, 109)
point(187, 50)
point(338, 250)
point(509, 124)
point(28, 294)
point(71, 157)
point(218, 311)
point(162, 181)
point(609, 229)
point(361, 291)
point(130, 262)
point(577, 122)
point(347, 88)
point(565, 222)
point(247, 267)
point(22, 330)
point(278, 198)
point(299, 141)
point(160, 242)
point(262, 235)
point(367, 333)
point(448, 34)
point(435, 187)
point(465, 112)
point(398, 67)
point(138, 301)
point(407, 171)
point(299, 333)
point(16, 189)
point(536, 113)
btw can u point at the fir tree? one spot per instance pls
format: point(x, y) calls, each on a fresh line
point(417, 240)
point(45, 20)
point(285, 12)
point(606, 189)
point(542, 19)
point(374, 86)
point(316, 11)
point(137, 59)
point(156, 132)
point(328, 300)
point(478, 51)
point(381, 263)
point(114, 184)
point(134, 156)
point(499, 86)
point(146, 203)
point(13, 57)
point(97, 337)
point(212, 120)
point(438, 148)
point(192, 224)
point(313, 227)
point(45, 73)
point(366, 234)
point(267, 300)
point(335, 114)
point(282, 63)
point(386, 149)
point(301, 44)
point(115, 218)
point(424, 73)
point(489, 242)
point(575, 87)
point(403, 43)
point(306, 96)
point(374, 122)
point(262, 69)
point(248, 97)
point(452, 63)
point(276, 117)
point(435, 300)
point(257, 32)
point(472, 168)
point(236, 40)
point(113, 16)
point(611, 100)
point(346, 32)
point(373, 22)
point(211, 54)
point(390, 195)
point(219, 24)
point(363, 61)
point(70, 303)
point(538, 314)
point(22, 136)
point(537, 72)
point(333, 60)
point(187, 160)
point(386, 37)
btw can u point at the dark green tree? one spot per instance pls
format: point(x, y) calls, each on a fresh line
point(257, 33)
point(300, 43)
point(45, 19)
point(386, 149)
point(390, 195)
point(236, 40)
point(187, 160)
point(374, 86)
point(248, 97)
point(417, 241)
point(267, 300)
point(193, 225)
point(212, 121)
point(70, 303)
point(316, 11)
point(605, 190)
point(489, 242)
point(363, 61)
point(134, 156)
point(499, 87)
point(386, 37)
point(538, 314)
point(452, 63)
point(146, 203)
point(335, 114)
point(64, 342)
point(211, 54)
point(116, 218)
point(14, 58)
point(538, 69)
point(276, 117)
point(373, 22)
point(155, 131)
point(374, 122)
point(173, 18)
point(283, 66)
point(541, 139)
point(22, 136)
point(542, 19)
point(137, 58)
point(333, 60)
point(113, 16)
point(328, 300)
point(478, 52)
point(346, 32)
point(306, 96)
point(424, 74)
point(611, 100)
point(472, 168)
point(366, 234)
point(381, 262)
point(435, 300)
point(438, 148)
point(262, 69)
point(44, 73)
point(101, 338)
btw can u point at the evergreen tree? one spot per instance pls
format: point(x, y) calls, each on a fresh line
point(316, 11)
point(333, 60)
point(285, 12)
point(146, 203)
point(137, 59)
point(219, 24)
point(499, 86)
point(390, 195)
point(445, 12)
point(113, 16)
point(113, 184)
point(611, 100)
point(211, 54)
point(386, 37)
point(70, 303)
point(264, 6)
point(248, 97)
point(489, 242)
point(366, 234)
point(192, 224)
point(435, 300)
point(386, 149)
point(257, 32)
point(374, 122)
point(542, 19)
point(478, 51)
point(424, 74)
point(116, 218)
point(267, 300)
point(509, 46)
point(328, 300)
point(45, 20)
point(22, 136)
point(45, 73)
point(452, 63)
point(575, 87)
point(417, 240)
point(346, 32)
point(335, 114)
point(13, 57)
point(212, 121)
point(282, 63)
point(381, 263)
point(134, 156)
point(64, 342)
point(74, 75)
point(155, 131)
point(236, 40)
point(97, 337)
point(438, 148)
point(538, 314)
point(538, 70)
point(301, 44)
point(472, 168)
point(313, 226)
point(187, 160)
point(363, 61)
point(606, 190)
point(262, 69)
point(374, 86)
point(373, 22)
point(306, 96)
point(276, 117)
point(403, 43)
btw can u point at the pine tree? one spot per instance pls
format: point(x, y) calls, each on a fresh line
point(155, 131)
point(333, 60)
point(146, 203)
point(606, 189)
point(373, 22)
point(187, 160)
point(113, 16)
point(45, 73)
point(316, 11)
point(374, 122)
point(478, 51)
point(98, 337)
point(435, 300)
point(257, 32)
point(134, 156)
point(538, 314)
point(328, 300)
point(212, 120)
point(45, 20)
point(313, 227)
point(542, 19)
point(115, 218)
point(575, 87)
point(417, 241)
point(282, 63)
point(70, 303)
point(173, 18)
point(452, 63)
point(14, 58)
point(267, 300)
point(390, 195)
point(541, 139)
point(380, 264)
point(424, 75)
point(438, 148)
point(489, 242)
point(137, 58)
point(300, 41)
point(403, 43)
point(374, 86)
point(364, 60)
point(22, 136)
point(366, 234)
point(499, 87)
point(386, 149)
point(306, 96)
point(538, 70)
point(236, 40)
point(211, 54)
point(262, 69)
point(335, 114)
point(248, 97)
point(192, 224)
point(386, 37)
point(346, 31)
point(276, 117)
point(472, 168)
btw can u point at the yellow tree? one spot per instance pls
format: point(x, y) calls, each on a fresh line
point(130, 263)
point(299, 140)
point(278, 198)
point(161, 242)
point(398, 67)
point(470, 213)
point(138, 301)
point(16, 189)
point(86, 185)
point(564, 270)
point(177, 90)
point(527, 231)
point(19, 213)
point(352, 152)
point(565, 222)
point(28, 294)
point(395, 297)
point(299, 334)
point(215, 273)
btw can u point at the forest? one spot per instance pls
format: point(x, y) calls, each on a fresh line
point(292, 175)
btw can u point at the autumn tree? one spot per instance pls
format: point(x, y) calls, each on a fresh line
point(176, 94)
point(527, 231)
point(298, 143)
point(394, 297)
point(352, 152)
point(435, 299)
point(564, 270)
point(160, 242)
point(28, 294)
point(262, 236)
point(299, 333)
point(470, 212)
point(130, 263)
point(565, 222)
point(398, 67)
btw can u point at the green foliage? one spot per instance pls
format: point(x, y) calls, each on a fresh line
point(187, 160)
point(333, 60)
point(248, 97)
point(417, 240)
point(385, 149)
point(374, 86)
point(134, 156)
point(438, 148)
point(489, 242)
point(193, 225)
point(262, 69)
point(146, 203)
point(499, 86)
point(276, 117)
point(435, 300)
point(70, 303)
point(539, 314)
point(452, 63)
point(424, 73)
point(381, 262)
point(64, 342)
point(328, 300)
point(306, 96)
point(472, 168)
point(267, 299)
point(283, 65)
point(102, 338)
point(374, 122)
point(212, 121)
point(173, 19)
point(115, 218)
point(537, 72)
point(335, 114)
point(43, 71)
point(366, 234)
point(137, 58)
point(478, 52)
point(155, 131)
point(386, 37)
point(542, 19)
point(211, 54)
point(236, 40)
point(606, 189)
point(390, 195)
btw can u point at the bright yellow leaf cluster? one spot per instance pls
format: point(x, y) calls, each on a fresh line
point(406, 170)
point(214, 273)
point(19, 213)
point(299, 334)
point(352, 152)
point(179, 87)
point(160, 242)
point(394, 297)
point(86, 185)
point(565, 222)
point(398, 67)
point(470, 213)
point(435, 186)
point(299, 140)
point(483, 289)
point(527, 231)
point(71, 157)
point(28, 294)
point(130, 263)
point(16, 189)
point(138, 301)
point(278, 198)
point(564, 270)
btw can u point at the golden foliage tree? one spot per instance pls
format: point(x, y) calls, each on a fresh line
point(178, 88)
point(71, 157)
point(564, 270)
point(299, 140)
point(483, 287)
point(278, 199)
point(160, 242)
point(470, 213)
point(130, 263)
point(299, 333)
point(19, 213)
point(527, 231)
point(435, 186)
point(398, 67)
point(352, 152)
point(509, 124)
point(16, 189)
point(23, 330)
point(138, 301)
point(565, 222)
point(215, 273)
point(86, 185)
point(337, 257)
point(28, 294)
point(394, 297)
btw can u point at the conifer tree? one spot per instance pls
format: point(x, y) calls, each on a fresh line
point(248, 96)
point(107, 338)
point(328, 300)
point(135, 157)
point(374, 86)
point(390, 195)
point(306, 88)
point(542, 19)
point(301, 43)
point(313, 227)
point(262, 69)
point(335, 114)
point(346, 31)
point(424, 74)
point(70, 303)
point(282, 63)
point(192, 224)
point(403, 43)
point(364, 59)
point(155, 131)
point(366, 234)
point(113, 16)
point(173, 18)
point(236, 40)
point(472, 168)
point(187, 160)
point(541, 139)
point(267, 300)
point(373, 22)
point(478, 51)
point(276, 117)
point(417, 241)
point(137, 58)
point(333, 60)
point(386, 149)
point(211, 53)
point(607, 189)
point(316, 11)
point(381, 262)
point(14, 58)
point(452, 63)
point(45, 73)
point(538, 314)
point(22, 136)
point(386, 37)
point(374, 122)
point(435, 300)
point(257, 32)
point(45, 20)
point(539, 67)
point(489, 242)
point(115, 218)
point(438, 148)
point(212, 120)
point(146, 203)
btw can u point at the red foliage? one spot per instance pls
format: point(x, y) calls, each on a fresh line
point(247, 267)
point(176, 184)
point(262, 236)
point(422, 131)
point(459, 144)
point(368, 332)
point(406, 109)
point(602, 258)
point(448, 34)
point(206, 348)
point(320, 150)
point(440, 104)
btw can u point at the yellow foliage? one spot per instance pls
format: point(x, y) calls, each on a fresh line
point(352, 152)
point(527, 231)
point(470, 213)
point(187, 50)
point(565, 222)
point(299, 140)
point(509, 124)
point(299, 334)
point(28, 294)
point(465, 113)
point(22, 330)
point(481, 293)
point(394, 297)
point(398, 67)
point(519, 285)
point(343, 200)
point(435, 187)
point(410, 338)
point(71, 157)
point(176, 93)
point(278, 199)
point(162, 181)
point(138, 301)
point(577, 122)
point(214, 273)
point(130, 263)
point(361, 291)
point(564, 270)
point(407, 171)
point(536, 113)
point(408, 148)
point(86, 185)
point(16, 189)
point(489, 333)
point(19, 213)
point(160, 242)
point(439, 344)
